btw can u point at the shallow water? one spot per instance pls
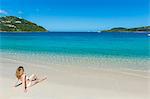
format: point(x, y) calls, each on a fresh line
point(94, 50)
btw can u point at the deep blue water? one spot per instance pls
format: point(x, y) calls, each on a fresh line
point(78, 43)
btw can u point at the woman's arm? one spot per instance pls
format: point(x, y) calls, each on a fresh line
point(24, 83)
point(18, 83)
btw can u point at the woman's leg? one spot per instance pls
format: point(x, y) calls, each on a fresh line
point(33, 77)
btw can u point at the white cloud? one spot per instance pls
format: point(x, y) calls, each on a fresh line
point(3, 12)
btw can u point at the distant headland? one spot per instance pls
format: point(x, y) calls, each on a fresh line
point(15, 24)
point(122, 29)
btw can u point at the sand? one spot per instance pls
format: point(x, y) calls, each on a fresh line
point(73, 83)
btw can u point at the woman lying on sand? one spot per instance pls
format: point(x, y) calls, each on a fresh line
point(25, 80)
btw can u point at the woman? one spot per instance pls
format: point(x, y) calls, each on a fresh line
point(24, 79)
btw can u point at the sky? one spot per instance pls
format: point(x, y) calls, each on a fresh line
point(79, 15)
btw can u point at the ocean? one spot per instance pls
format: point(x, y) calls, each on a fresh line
point(87, 49)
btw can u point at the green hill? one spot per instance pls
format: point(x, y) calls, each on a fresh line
point(15, 24)
point(121, 29)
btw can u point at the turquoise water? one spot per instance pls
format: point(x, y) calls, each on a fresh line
point(93, 44)
point(86, 48)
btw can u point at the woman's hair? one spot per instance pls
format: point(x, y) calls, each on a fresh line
point(19, 72)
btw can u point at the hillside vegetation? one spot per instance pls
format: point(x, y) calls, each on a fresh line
point(15, 24)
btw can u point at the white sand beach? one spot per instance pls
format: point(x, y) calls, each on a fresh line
point(73, 83)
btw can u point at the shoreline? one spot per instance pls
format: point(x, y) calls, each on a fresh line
point(92, 62)
point(129, 72)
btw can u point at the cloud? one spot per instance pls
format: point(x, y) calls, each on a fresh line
point(3, 12)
